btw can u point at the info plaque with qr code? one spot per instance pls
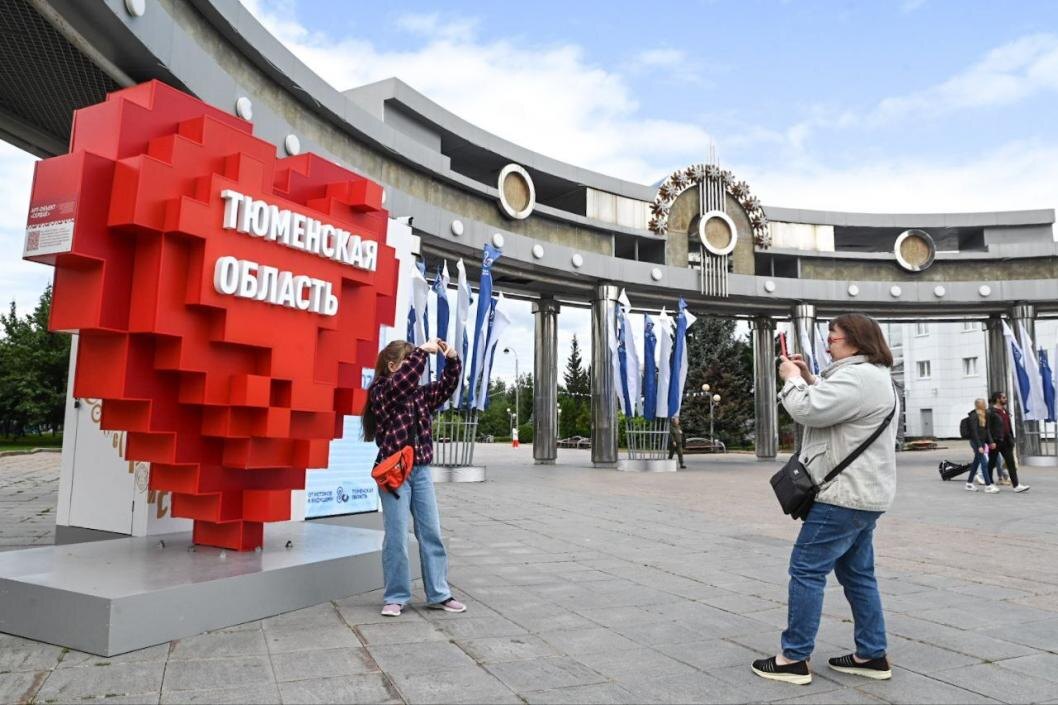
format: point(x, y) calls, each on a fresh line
point(49, 229)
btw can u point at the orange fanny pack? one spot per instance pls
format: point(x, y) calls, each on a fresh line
point(391, 472)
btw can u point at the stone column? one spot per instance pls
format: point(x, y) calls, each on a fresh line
point(545, 382)
point(603, 394)
point(804, 331)
point(764, 394)
point(996, 357)
point(1027, 432)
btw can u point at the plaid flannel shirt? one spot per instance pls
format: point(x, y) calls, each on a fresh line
point(404, 408)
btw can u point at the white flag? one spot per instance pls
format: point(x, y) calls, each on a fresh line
point(500, 320)
point(628, 382)
point(664, 362)
point(420, 289)
point(1037, 406)
point(1016, 362)
point(821, 358)
point(459, 339)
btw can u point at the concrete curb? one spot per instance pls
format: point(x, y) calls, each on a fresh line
point(29, 451)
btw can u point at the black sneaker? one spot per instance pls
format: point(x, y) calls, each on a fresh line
point(878, 668)
point(796, 673)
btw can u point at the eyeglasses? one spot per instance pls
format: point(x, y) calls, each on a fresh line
point(831, 339)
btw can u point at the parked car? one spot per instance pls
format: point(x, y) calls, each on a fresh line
point(703, 445)
point(575, 442)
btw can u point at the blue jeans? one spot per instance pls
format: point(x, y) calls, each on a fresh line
point(979, 462)
point(838, 539)
point(417, 501)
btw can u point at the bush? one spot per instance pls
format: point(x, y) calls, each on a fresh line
point(525, 433)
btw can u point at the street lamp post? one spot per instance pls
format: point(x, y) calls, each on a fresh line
point(714, 399)
point(517, 404)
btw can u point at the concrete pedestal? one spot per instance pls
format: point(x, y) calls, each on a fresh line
point(463, 473)
point(111, 597)
point(646, 465)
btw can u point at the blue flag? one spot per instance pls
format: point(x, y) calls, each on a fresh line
point(481, 316)
point(622, 363)
point(425, 313)
point(1021, 375)
point(650, 370)
point(678, 376)
point(440, 288)
point(1048, 386)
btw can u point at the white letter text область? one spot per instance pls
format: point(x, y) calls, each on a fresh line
point(249, 280)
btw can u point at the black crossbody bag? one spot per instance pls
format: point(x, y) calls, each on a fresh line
point(794, 486)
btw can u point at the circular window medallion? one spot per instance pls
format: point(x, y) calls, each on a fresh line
point(717, 232)
point(517, 193)
point(915, 250)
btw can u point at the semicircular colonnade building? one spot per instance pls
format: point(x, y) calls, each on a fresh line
point(569, 235)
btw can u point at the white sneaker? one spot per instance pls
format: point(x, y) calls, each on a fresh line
point(978, 480)
point(970, 487)
point(991, 489)
point(1022, 488)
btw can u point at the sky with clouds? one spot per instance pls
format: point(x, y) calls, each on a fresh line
point(901, 106)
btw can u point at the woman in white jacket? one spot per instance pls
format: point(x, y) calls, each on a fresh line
point(839, 410)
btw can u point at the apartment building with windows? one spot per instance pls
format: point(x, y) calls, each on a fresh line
point(944, 367)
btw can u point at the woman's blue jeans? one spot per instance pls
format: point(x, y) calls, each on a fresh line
point(979, 462)
point(416, 501)
point(841, 540)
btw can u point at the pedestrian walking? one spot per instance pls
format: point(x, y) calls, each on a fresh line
point(1002, 433)
point(841, 409)
point(398, 414)
point(975, 429)
point(676, 439)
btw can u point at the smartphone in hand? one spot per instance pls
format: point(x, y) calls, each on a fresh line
point(783, 348)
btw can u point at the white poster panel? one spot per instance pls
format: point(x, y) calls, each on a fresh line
point(346, 486)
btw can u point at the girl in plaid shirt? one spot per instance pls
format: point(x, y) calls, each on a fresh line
point(399, 413)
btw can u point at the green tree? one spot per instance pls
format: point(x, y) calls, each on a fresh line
point(575, 396)
point(34, 364)
point(718, 357)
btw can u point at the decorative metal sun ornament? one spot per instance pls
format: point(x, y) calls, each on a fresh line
point(694, 175)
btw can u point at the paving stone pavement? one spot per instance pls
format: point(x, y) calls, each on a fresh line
point(592, 586)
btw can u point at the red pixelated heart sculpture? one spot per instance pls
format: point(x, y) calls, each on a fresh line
point(227, 301)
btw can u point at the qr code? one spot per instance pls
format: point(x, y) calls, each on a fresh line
point(32, 241)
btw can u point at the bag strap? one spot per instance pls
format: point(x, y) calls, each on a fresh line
point(863, 446)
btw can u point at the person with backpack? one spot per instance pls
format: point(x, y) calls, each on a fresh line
point(1002, 433)
point(398, 414)
point(974, 428)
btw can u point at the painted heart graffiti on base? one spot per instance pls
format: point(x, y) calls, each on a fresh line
point(229, 397)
